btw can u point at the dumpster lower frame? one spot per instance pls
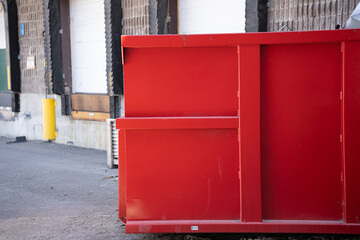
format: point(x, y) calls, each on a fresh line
point(247, 121)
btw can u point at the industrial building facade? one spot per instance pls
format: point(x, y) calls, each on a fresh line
point(70, 50)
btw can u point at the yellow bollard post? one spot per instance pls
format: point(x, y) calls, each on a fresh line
point(48, 115)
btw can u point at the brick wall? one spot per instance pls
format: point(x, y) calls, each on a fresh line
point(304, 15)
point(30, 13)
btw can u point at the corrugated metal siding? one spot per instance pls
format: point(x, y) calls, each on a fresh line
point(113, 30)
point(306, 15)
point(115, 143)
point(30, 13)
point(112, 143)
point(135, 17)
point(47, 37)
point(109, 46)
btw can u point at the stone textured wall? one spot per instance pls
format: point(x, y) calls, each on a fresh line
point(135, 17)
point(31, 14)
point(306, 15)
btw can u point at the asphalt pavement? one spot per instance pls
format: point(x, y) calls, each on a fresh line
point(52, 191)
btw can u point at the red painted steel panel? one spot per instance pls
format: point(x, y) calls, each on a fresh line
point(249, 105)
point(300, 132)
point(351, 136)
point(122, 173)
point(182, 174)
point(224, 131)
point(181, 82)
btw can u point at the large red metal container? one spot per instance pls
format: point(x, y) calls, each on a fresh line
point(241, 133)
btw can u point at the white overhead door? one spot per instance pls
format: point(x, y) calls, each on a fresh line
point(88, 51)
point(2, 29)
point(211, 16)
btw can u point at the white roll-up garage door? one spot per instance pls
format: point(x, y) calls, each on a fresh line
point(211, 16)
point(2, 29)
point(88, 51)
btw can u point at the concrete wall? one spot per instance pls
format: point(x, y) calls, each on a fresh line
point(89, 134)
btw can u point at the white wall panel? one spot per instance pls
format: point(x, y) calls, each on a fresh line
point(211, 16)
point(88, 51)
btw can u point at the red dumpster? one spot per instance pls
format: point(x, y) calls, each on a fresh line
point(241, 133)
